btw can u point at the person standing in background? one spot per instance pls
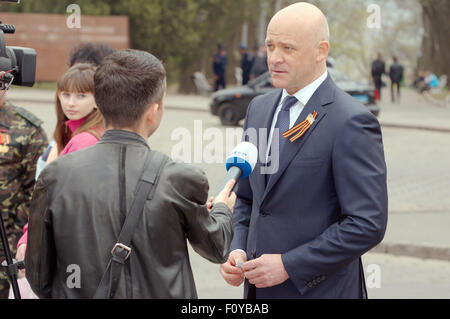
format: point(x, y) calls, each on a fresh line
point(92, 53)
point(396, 75)
point(378, 69)
point(220, 68)
point(246, 64)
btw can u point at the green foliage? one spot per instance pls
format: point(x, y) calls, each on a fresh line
point(177, 31)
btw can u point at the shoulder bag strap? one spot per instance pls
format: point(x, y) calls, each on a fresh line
point(122, 250)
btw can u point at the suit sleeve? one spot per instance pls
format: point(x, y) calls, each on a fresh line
point(359, 172)
point(209, 233)
point(40, 257)
point(242, 214)
point(243, 207)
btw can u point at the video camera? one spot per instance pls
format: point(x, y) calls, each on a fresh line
point(17, 64)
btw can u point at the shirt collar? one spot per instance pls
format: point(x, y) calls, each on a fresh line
point(123, 137)
point(74, 124)
point(305, 94)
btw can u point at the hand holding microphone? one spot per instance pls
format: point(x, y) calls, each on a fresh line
point(240, 164)
point(226, 196)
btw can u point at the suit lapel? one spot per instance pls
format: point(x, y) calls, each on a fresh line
point(320, 98)
point(267, 111)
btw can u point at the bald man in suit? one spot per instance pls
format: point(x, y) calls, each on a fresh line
point(317, 199)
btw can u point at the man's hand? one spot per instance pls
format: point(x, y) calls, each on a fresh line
point(225, 196)
point(266, 271)
point(230, 271)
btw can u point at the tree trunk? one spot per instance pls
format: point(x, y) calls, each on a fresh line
point(186, 84)
point(436, 47)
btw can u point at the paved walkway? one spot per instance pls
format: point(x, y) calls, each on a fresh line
point(414, 111)
point(418, 157)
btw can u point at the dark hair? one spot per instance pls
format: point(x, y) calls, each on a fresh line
point(126, 83)
point(79, 78)
point(90, 52)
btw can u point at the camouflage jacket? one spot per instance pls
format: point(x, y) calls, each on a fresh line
point(22, 141)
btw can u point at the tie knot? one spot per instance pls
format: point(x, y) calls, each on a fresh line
point(289, 102)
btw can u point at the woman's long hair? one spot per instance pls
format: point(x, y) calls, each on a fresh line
point(80, 79)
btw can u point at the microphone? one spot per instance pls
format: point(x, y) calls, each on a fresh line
point(240, 164)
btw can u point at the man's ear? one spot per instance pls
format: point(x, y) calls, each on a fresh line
point(323, 50)
point(150, 114)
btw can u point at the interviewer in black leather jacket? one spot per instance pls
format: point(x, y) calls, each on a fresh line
point(80, 200)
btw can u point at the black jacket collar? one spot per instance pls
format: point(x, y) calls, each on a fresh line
point(122, 137)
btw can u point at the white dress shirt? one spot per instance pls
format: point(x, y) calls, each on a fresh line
point(303, 96)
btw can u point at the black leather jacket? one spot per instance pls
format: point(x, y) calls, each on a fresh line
point(75, 221)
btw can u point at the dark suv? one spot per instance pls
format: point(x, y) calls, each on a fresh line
point(231, 104)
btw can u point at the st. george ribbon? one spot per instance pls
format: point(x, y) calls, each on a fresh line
point(240, 163)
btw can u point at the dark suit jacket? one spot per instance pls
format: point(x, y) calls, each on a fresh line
point(326, 205)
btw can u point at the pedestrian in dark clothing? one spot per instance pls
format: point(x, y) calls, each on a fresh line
point(220, 67)
point(260, 64)
point(246, 64)
point(378, 69)
point(396, 75)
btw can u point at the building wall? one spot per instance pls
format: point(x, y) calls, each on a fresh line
point(53, 40)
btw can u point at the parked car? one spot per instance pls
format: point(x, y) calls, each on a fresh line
point(231, 104)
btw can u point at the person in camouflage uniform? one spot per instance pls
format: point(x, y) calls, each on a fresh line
point(22, 141)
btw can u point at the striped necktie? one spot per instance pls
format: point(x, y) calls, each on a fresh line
point(281, 126)
point(283, 121)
